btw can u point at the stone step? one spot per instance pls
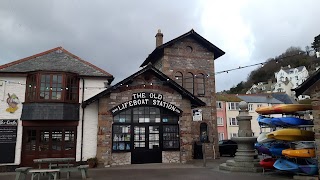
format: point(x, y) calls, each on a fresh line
point(242, 164)
point(225, 167)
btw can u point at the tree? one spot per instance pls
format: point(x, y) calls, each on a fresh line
point(316, 43)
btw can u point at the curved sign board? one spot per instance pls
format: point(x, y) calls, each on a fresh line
point(146, 99)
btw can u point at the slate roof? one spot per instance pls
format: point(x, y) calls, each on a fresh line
point(283, 97)
point(195, 101)
point(254, 98)
point(287, 70)
point(56, 59)
point(158, 52)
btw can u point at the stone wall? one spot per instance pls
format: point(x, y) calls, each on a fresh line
point(187, 56)
point(170, 156)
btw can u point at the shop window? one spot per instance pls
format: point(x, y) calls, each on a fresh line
point(52, 87)
point(179, 78)
point(200, 84)
point(189, 82)
point(121, 137)
point(171, 137)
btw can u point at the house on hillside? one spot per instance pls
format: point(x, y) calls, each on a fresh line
point(287, 78)
point(40, 108)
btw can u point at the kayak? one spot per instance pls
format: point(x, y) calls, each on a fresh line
point(283, 108)
point(267, 163)
point(304, 153)
point(262, 138)
point(291, 134)
point(285, 165)
point(302, 145)
point(310, 169)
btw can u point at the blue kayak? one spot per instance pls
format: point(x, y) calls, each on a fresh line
point(282, 121)
point(285, 165)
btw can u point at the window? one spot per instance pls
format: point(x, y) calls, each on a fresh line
point(219, 104)
point(259, 105)
point(188, 82)
point(179, 78)
point(250, 107)
point(220, 121)
point(297, 78)
point(52, 87)
point(233, 122)
point(200, 84)
point(132, 129)
point(233, 134)
point(221, 136)
point(233, 106)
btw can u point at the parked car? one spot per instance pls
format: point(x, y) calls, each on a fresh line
point(228, 147)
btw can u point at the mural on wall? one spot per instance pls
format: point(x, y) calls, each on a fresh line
point(13, 102)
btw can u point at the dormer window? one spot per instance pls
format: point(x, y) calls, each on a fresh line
point(52, 86)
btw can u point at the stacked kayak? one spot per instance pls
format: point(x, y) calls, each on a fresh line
point(291, 134)
point(282, 121)
point(267, 163)
point(301, 153)
point(286, 165)
point(283, 108)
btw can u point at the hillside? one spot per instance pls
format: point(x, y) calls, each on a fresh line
point(293, 56)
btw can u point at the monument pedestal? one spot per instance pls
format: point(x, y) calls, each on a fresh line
point(246, 159)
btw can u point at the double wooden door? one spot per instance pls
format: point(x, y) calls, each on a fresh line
point(146, 144)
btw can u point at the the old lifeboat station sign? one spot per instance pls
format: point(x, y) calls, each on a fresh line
point(146, 99)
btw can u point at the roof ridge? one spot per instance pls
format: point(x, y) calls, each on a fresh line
point(50, 51)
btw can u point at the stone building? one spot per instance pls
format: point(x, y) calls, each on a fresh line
point(163, 111)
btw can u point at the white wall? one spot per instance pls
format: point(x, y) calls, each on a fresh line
point(12, 86)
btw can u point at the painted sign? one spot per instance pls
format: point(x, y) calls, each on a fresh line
point(13, 102)
point(8, 138)
point(148, 99)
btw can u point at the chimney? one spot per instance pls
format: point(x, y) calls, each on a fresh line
point(159, 38)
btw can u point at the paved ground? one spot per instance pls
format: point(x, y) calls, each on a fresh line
point(191, 171)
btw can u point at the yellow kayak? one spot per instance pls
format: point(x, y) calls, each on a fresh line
point(304, 153)
point(291, 134)
point(283, 108)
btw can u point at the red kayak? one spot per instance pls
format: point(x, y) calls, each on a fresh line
point(267, 163)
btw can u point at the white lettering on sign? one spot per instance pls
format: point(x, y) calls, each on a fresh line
point(8, 122)
point(145, 98)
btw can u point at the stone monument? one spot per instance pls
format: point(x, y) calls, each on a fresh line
point(246, 158)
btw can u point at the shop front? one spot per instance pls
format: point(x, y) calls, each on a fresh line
point(146, 129)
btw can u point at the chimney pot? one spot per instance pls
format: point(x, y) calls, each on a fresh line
point(159, 38)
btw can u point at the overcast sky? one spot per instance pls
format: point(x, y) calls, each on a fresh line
point(118, 35)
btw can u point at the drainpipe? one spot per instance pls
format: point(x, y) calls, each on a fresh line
point(82, 122)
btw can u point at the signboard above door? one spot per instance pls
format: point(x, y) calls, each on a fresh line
point(146, 99)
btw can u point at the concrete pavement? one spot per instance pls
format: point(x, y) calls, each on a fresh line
point(191, 171)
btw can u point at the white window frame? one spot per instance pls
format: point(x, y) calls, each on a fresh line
point(250, 107)
point(219, 121)
point(219, 104)
point(233, 122)
point(233, 135)
point(221, 136)
point(233, 106)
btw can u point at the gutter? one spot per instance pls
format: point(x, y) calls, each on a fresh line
point(82, 122)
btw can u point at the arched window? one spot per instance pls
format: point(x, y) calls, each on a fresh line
point(188, 82)
point(200, 84)
point(179, 78)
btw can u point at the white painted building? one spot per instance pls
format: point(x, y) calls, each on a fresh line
point(46, 106)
